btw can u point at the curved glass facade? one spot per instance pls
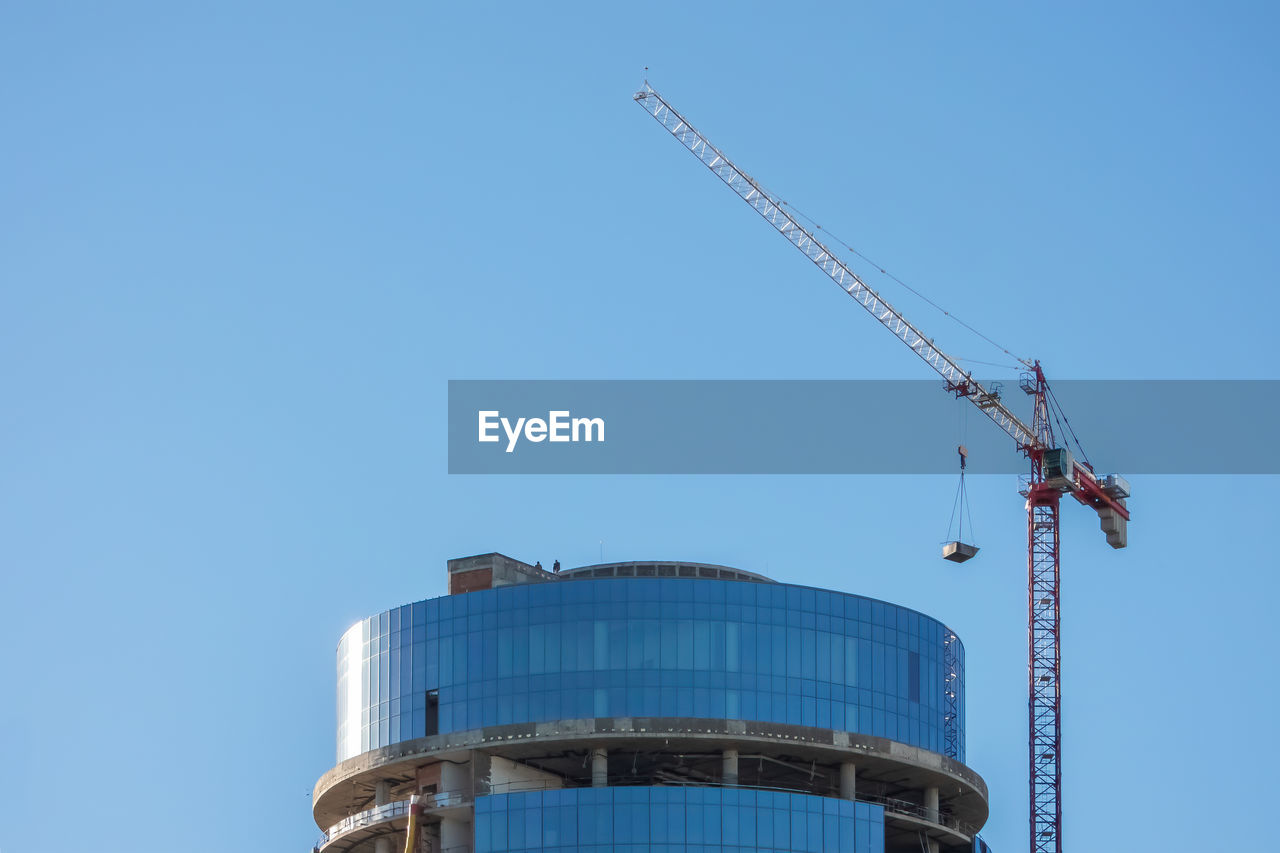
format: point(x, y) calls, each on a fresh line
point(675, 820)
point(645, 647)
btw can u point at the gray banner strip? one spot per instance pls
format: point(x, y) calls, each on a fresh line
point(846, 427)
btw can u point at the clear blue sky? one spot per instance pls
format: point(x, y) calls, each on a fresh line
point(243, 248)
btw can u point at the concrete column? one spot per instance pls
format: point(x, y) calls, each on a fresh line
point(599, 768)
point(454, 835)
point(931, 813)
point(931, 804)
point(729, 771)
point(455, 780)
point(382, 796)
point(849, 780)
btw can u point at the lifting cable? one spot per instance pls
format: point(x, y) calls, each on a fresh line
point(1053, 398)
point(960, 506)
point(893, 277)
point(987, 363)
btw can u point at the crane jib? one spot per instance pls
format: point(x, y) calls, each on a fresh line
point(958, 380)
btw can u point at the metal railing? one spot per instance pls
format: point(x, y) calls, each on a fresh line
point(438, 800)
point(444, 799)
point(391, 811)
point(517, 786)
point(377, 814)
point(910, 809)
point(890, 804)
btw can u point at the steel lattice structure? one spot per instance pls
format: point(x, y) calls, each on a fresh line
point(951, 674)
point(1044, 671)
point(1053, 473)
point(1044, 649)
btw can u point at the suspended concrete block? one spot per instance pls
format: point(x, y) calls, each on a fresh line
point(958, 552)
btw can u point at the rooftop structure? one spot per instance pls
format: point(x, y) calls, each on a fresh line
point(648, 704)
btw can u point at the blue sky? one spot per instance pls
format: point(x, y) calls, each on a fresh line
point(244, 247)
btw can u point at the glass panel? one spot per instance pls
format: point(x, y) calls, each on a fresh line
point(632, 647)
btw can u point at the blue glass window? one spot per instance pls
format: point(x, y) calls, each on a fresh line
point(644, 647)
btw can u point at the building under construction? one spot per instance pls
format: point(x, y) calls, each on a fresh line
point(648, 706)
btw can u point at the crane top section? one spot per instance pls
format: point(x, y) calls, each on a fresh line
point(1079, 480)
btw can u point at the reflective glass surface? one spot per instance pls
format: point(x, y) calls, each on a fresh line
point(675, 820)
point(645, 647)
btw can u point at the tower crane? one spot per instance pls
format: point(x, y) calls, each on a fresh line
point(1054, 473)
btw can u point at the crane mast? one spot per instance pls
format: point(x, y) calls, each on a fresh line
point(1054, 472)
